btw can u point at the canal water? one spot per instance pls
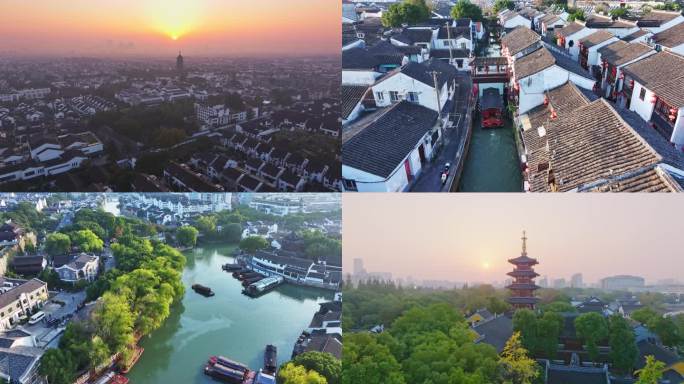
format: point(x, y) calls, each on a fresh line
point(492, 164)
point(229, 323)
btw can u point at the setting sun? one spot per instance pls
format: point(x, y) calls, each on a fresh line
point(174, 18)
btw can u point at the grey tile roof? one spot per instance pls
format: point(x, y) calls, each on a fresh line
point(518, 39)
point(495, 332)
point(596, 38)
point(662, 73)
point(384, 143)
point(670, 37)
point(351, 95)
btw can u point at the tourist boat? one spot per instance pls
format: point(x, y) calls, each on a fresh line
point(223, 373)
point(249, 275)
point(112, 378)
point(229, 267)
point(202, 290)
point(270, 359)
point(491, 107)
point(251, 280)
point(262, 286)
point(226, 362)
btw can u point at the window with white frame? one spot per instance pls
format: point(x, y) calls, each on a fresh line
point(412, 97)
point(394, 96)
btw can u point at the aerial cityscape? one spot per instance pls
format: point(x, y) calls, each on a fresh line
point(165, 288)
point(459, 293)
point(182, 100)
point(512, 96)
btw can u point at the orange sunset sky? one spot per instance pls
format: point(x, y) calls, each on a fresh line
point(469, 237)
point(162, 27)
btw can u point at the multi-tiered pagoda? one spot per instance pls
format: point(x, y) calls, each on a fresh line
point(523, 286)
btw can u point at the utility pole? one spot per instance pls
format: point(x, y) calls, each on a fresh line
point(451, 55)
point(439, 104)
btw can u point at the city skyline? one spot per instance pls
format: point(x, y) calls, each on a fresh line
point(156, 28)
point(597, 237)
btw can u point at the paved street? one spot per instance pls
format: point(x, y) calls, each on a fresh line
point(453, 141)
point(43, 333)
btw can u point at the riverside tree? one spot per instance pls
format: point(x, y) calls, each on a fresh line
point(464, 9)
point(297, 374)
point(187, 236)
point(324, 363)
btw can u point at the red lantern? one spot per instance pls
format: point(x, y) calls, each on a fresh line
point(673, 111)
point(554, 115)
point(546, 100)
point(631, 83)
point(654, 98)
point(673, 117)
point(622, 75)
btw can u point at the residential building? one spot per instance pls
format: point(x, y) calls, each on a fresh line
point(19, 299)
point(81, 267)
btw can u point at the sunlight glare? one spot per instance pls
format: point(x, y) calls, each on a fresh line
point(174, 18)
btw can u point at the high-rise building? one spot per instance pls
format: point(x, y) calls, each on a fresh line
point(359, 271)
point(544, 282)
point(576, 281)
point(559, 283)
point(523, 286)
point(179, 65)
point(622, 282)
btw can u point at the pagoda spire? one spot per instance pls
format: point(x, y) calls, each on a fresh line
point(524, 244)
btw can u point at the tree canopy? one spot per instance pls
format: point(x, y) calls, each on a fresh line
point(405, 12)
point(187, 236)
point(252, 244)
point(466, 9)
point(500, 5)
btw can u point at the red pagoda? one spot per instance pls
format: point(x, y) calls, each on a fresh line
point(523, 286)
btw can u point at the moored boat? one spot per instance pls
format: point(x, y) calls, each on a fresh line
point(262, 286)
point(491, 107)
point(271, 359)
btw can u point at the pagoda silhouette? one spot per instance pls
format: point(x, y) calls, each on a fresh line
point(523, 286)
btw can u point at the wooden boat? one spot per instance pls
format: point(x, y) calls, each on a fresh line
point(271, 359)
point(491, 106)
point(202, 290)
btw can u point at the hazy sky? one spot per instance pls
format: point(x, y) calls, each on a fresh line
point(162, 27)
point(469, 237)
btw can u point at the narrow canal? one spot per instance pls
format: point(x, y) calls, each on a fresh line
point(492, 164)
point(228, 324)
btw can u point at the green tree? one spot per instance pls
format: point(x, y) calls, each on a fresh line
point(497, 305)
point(644, 315)
point(232, 232)
point(187, 236)
point(58, 366)
point(296, 374)
point(206, 225)
point(559, 307)
point(466, 9)
point(652, 372)
point(367, 361)
point(500, 5)
point(113, 322)
point(591, 328)
point(519, 368)
point(87, 241)
point(548, 329)
point(252, 244)
point(618, 12)
point(324, 363)
point(98, 353)
point(577, 14)
point(57, 244)
point(525, 322)
point(406, 12)
point(623, 349)
point(666, 329)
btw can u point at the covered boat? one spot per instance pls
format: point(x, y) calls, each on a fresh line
point(491, 107)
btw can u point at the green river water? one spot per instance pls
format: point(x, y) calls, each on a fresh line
point(229, 324)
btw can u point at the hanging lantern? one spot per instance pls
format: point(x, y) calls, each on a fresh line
point(654, 98)
point(554, 115)
point(673, 111)
point(546, 100)
point(622, 75)
point(631, 83)
point(672, 117)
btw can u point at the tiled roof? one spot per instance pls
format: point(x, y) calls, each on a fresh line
point(533, 63)
point(412, 36)
point(495, 332)
point(519, 39)
point(358, 58)
point(588, 144)
point(662, 73)
point(570, 29)
point(423, 72)
point(656, 18)
point(624, 53)
point(671, 37)
point(596, 38)
point(384, 143)
point(453, 32)
point(635, 35)
point(647, 179)
point(598, 21)
point(351, 95)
